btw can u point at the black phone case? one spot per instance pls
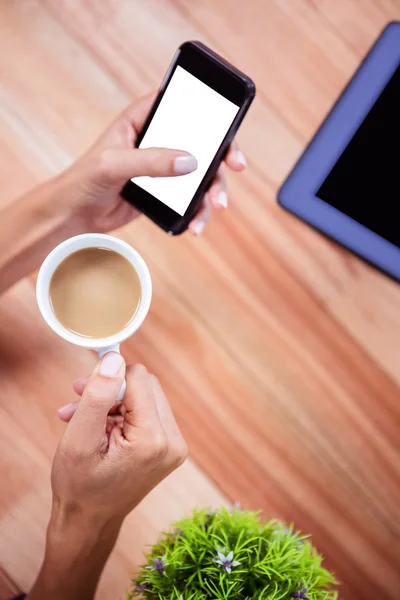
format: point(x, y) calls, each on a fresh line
point(182, 224)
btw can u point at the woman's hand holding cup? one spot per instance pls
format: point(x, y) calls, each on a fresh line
point(103, 468)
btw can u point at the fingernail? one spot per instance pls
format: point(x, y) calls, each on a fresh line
point(65, 409)
point(240, 157)
point(111, 364)
point(223, 199)
point(198, 227)
point(184, 164)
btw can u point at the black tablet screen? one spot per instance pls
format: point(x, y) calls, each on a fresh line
point(365, 182)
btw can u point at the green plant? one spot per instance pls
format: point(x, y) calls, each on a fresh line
point(231, 554)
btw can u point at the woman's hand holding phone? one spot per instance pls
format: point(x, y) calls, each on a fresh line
point(89, 195)
point(90, 188)
point(200, 105)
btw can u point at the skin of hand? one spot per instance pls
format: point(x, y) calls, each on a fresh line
point(101, 471)
point(96, 179)
point(86, 196)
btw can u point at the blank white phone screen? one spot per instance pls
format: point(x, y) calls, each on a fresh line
point(192, 117)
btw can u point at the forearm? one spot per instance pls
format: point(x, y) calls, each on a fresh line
point(30, 227)
point(75, 557)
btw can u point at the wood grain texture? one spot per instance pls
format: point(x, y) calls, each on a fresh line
point(279, 350)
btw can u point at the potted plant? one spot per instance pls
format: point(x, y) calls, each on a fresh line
point(230, 554)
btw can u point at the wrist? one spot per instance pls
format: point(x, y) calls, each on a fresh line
point(78, 529)
point(77, 548)
point(31, 227)
point(56, 205)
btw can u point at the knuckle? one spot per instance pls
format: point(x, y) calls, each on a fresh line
point(140, 369)
point(178, 453)
point(159, 446)
point(155, 384)
point(139, 373)
point(101, 165)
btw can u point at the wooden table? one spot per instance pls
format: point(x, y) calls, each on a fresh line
point(279, 350)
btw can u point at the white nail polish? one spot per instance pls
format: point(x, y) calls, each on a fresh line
point(223, 199)
point(198, 227)
point(111, 364)
point(240, 157)
point(184, 165)
point(65, 409)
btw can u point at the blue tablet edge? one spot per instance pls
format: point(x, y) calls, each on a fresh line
point(297, 194)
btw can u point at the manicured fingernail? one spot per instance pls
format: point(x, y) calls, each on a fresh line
point(111, 364)
point(184, 164)
point(63, 410)
point(223, 199)
point(198, 227)
point(240, 157)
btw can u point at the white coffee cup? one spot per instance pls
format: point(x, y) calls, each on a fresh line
point(60, 253)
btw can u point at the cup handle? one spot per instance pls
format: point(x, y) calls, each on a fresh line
point(101, 352)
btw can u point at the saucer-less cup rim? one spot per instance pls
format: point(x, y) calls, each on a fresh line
point(60, 253)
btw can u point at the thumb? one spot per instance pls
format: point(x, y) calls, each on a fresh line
point(88, 425)
point(120, 165)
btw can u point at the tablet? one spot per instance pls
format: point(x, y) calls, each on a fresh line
point(346, 184)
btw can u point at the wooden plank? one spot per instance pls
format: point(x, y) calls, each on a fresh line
point(354, 25)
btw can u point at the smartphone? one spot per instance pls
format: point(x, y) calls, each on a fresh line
point(200, 105)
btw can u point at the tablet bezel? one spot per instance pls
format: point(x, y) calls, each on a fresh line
point(298, 193)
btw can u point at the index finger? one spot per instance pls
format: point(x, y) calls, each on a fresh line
point(165, 412)
point(139, 402)
point(235, 158)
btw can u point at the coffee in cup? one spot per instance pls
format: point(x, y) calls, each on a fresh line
point(95, 292)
